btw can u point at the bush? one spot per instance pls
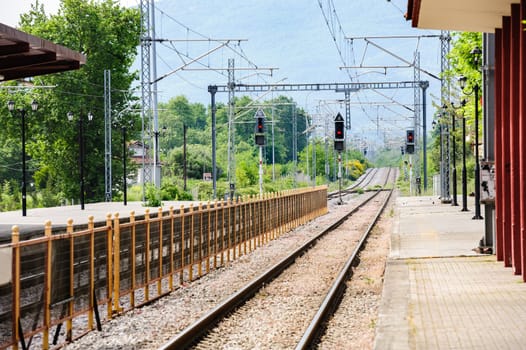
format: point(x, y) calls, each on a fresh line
point(153, 196)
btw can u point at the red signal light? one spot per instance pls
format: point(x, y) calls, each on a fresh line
point(338, 130)
point(410, 136)
point(260, 125)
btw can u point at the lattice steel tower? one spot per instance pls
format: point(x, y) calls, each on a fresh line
point(146, 91)
point(445, 90)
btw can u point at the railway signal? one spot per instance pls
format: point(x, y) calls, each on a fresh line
point(260, 141)
point(410, 141)
point(339, 133)
point(260, 128)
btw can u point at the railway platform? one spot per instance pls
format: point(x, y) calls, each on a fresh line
point(36, 218)
point(439, 293)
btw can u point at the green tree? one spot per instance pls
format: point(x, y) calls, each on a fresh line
point(108, 35)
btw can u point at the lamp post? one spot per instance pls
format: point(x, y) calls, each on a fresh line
point(81, 153)
point(454, 150)
point(464, 172)
point(454, 201)
point(476, 53)
point(22, 111)
point(444, 158)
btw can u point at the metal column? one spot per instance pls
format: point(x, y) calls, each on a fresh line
point(212, 89)
point(514, 137)
point(488, 94)
point(522, 136)
point(107, 135)
point(231, 171)
point(499, 165)
point(505, 133)
point(146, 93)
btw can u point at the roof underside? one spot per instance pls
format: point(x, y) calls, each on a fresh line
point(461, 15)
point(23, 55)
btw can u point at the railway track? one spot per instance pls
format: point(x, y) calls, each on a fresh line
point(283, 302)
point(365, 181)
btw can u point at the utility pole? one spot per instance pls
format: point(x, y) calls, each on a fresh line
point(107, 135)
point(231, 175)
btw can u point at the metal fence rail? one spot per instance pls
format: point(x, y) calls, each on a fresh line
point(65, 285)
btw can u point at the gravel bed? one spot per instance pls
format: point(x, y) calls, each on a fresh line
point(354, 323)
point(151, 326)
point(279, 314)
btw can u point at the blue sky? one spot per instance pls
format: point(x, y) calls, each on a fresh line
point(290, 35)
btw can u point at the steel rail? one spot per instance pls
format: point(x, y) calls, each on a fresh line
point(363, 181)
point(334, 296)
point(196, 331)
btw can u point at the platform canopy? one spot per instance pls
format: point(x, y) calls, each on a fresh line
point(459, 15)
point(24, 55)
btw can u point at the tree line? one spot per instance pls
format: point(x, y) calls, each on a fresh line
point(109, 35)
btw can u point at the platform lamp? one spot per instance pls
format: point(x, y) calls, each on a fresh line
point(22, 112)
point(81, 152)
point(454, 151)
point(462, 80)
point(464, 171)
point(454, 201)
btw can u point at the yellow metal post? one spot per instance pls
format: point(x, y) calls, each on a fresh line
point(216, 231)
point(147, 255)
point(251, 213)
point(71, 305)
point(191, 264)
point(181, 274)
point(109, 263)
point(222, 237)
point(200, 223)
point(234, 229)
point(172, 249)
point(265, 218)
point(15, 238)
point(117, 263)
point(245, 238)
point(47, 285)
point(260, 221)
point(201, 238)
point(208, 238)
point(133, 259)
point(91, 292)
point(159, 281)
point(281, 209)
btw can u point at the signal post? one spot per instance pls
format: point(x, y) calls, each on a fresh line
point(259, 138)
point(410, 150)
point(339, 146)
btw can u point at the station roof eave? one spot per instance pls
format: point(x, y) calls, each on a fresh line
point(23, 55)
point(458, 15)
